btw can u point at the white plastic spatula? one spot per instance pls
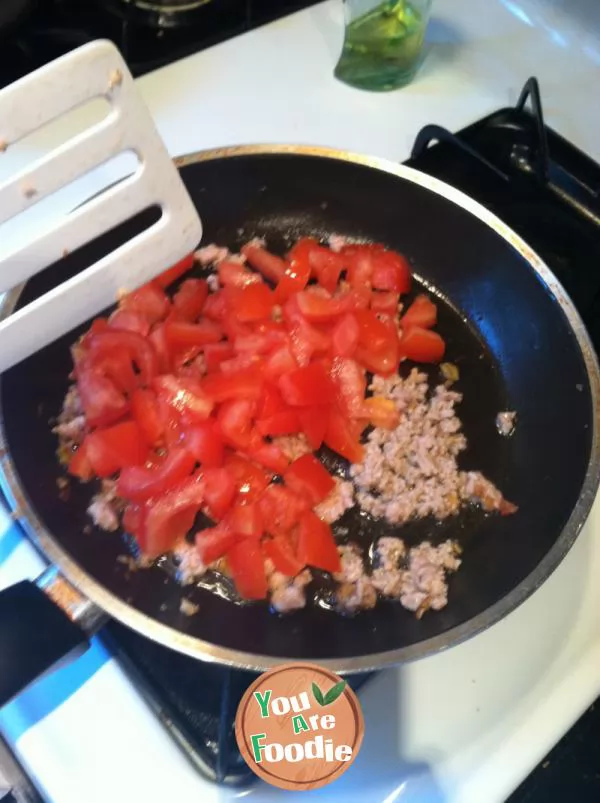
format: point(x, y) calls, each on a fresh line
point(93, 71)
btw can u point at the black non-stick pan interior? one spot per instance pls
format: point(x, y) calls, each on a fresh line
point(507, 333)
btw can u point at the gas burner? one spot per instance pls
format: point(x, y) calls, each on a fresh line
point(158, 14)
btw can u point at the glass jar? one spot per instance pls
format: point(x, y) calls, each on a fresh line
point(383, 42)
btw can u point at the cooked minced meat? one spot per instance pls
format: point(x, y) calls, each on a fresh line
point(188, 608)
point(189, 565)
point(288, 593)
point(70, 425)
point(336, 242)
point(505, 422)
point(106, 507)
point(73, 431)
point(355, 590)
point(412, 471)
point(293, 446)
point(479, 490)
point(211, 254)
point(337, 502)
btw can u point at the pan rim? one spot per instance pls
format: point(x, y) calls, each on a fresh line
point(197, 648)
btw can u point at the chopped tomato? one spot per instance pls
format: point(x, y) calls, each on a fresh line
point(326, 267)
point(254, 302)
point(158, 339)
point(213, 542)
point(340, 437)
point(307, 386)
point(313, 421)
point(281, 509)
point(181, 334)
point(138, 483)
point(247, 567)
point(250, 479)
point(123, 318)
point(391, 271)
point(359, 262)
point(133, 518)
point(320, 307)
point(385, 301)
point(186, 396)
point(116, 447)
point(80, 466)
point(234, 274)
point(422, 312)
point(381, 412)
point(299, 255)
point(102, 402)
point(280, 362)
point(345, 336)
point(170, 421)
point(270, 456)
point(244, 384)
point(235, 418)
point(422, 345)
point(171, 275)
point(286, 422)
point(169, 517)
point(351, 386)
point(245, 520)
point(307, 477)
point(295, 278)
point(216, 353)
point(220, 489)
point(316, 545)
point(378, 344)
point(139, 350)
point(149, 301)
point(271, 266)
point(204, 441)
point(144, 410)
point(117, 366)
point(271, 401)
point(241, 362)
point(216, 306)
point(279, 550)
point(189, 300)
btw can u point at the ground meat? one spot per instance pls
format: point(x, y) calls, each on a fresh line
point(213, 282)
point(337, 503)
point(336, 242)
point(257, 242)
point(412, 472)
point(505, 422)
point(355, 590)
point(70, 426)
point(424, 582)
point(475, 488)
point(293, 446)
point(211, 254)
point(188, 608)
point(287, 593)
point(105, 507)
point(389, 552)
point(189, 565)
point(72, 431)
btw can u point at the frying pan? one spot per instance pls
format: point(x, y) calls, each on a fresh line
point(509, 326)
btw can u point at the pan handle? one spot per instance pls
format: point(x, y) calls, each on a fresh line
point(42, 625)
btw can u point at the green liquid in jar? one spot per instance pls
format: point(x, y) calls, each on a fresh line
point(382, 47)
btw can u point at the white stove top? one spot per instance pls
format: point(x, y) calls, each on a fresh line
point(464, 726)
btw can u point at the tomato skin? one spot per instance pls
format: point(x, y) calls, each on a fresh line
point(345, 336)
point(243, 384)
point(139, 350)
point(216, 353)
point(116, 447)
point(307, 477)
point(189, 300)
point(271, 266)
point(181, 334)
point(285, 422)
point(149, 301)
point(305, 386)
point(144, 410)
point(422, 312)
point(169, 517)
point(245, 520)
point(220, 489)
point(102, 402)
point(80, 466)
point(138, 483)
point(422, 345)
point(128, 319)
point(313, 421)
point(213, 542)
point(279, 550)
point(204, 441)
point(235, 274)
point(185, 396)
point(250, 480)
point(171, 275)
point(341, 439)
point(281, 509)
point(247, 567)
point(316, 545)
point(254, 302)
